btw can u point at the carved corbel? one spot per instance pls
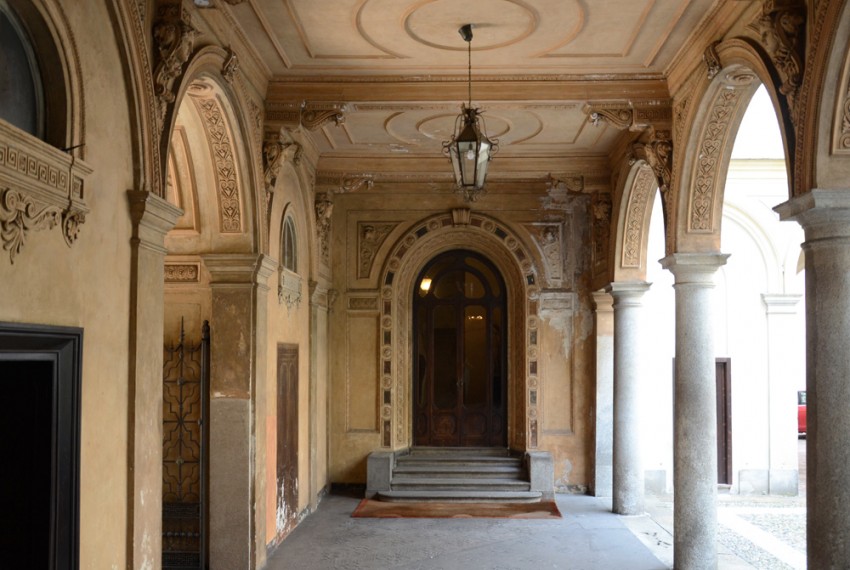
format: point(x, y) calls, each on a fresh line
point(345, 183)
point(324, 210)
point(278, 147)
point(631, 115)
point(657, 151)
point(316, 115)
point(712, 60)
point(782, 30)
point(230, 67)
point(174, 38)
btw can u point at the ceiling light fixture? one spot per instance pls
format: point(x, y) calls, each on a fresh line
point(469, 149)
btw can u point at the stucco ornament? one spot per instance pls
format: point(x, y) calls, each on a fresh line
point(781, 29)
point(324, 211)
point(174, 39)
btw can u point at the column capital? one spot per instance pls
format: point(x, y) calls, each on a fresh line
point(823, 213)
point(627, 293)
point(153, 217)
point(239, 268)
point(603, 302)
point(781, 303)
point(696, 268)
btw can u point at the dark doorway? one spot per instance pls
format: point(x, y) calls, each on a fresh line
point(723, 373)
point(185, 453)
point(287, 435)
point(459, 325)
point(40, 375)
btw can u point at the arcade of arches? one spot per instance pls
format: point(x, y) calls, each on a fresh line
point(274, 169)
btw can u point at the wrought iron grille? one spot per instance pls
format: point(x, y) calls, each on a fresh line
point(185, 453)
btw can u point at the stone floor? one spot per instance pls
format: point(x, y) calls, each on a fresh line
point(754, 532)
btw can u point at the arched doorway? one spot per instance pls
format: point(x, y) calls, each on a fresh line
point(460, 348)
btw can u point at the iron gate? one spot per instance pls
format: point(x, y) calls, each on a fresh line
point(185, 453)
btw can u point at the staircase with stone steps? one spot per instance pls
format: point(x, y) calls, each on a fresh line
point(459, 475)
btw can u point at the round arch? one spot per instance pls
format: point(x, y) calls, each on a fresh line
point(633, 216)
point(408, 256)
point(712, 126)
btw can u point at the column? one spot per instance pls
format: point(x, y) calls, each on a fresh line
point(694, 411)
point(825, 218)
point(628, 476)
point(152, 218)
point(604, 322)
point(238, 363)
point(785, 364)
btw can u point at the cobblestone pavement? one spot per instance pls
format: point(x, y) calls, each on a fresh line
point(764, 532)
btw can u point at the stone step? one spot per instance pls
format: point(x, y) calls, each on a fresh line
point(456, 484)
point(463, 471)
point(461, 496)
point(470, 451)
point(456, 459)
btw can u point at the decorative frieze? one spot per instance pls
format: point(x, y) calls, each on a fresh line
point(312, 115)
point(638, 202)
point(182, 272)
point(216, 128)
point(343, 183)
point(631, 115)
point(41, 188)
point(362, 303)
point(559, 188)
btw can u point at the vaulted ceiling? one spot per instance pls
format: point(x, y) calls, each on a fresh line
point(398, 71)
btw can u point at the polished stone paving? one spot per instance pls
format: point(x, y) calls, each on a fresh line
point(753, 533)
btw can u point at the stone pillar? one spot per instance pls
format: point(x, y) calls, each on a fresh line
point(604, 322)
point(319, 302)
point(152, 218)
point(782, 380)
point(695, 411)
point(238, 349)
point(628, 479)
point(825, 218)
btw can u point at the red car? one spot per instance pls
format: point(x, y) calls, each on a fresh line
point(801, 413)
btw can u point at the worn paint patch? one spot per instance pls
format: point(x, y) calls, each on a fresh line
point(562, 474)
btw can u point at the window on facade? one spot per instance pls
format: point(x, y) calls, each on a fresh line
point(289, 246)
point(21, 94)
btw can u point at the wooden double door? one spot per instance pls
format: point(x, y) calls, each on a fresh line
point(460, 383)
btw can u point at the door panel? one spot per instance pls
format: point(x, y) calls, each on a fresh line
point(459, 377)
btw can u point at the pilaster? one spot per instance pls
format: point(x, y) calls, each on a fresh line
point(152, 218)
point(319, 307)
point(604, 321)
point(825, 218)
point(238, 363)
point(695, 411)
point(782, 378)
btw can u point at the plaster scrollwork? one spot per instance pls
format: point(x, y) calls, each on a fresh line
point(344, 183)
point(174, 38)
point(712, 60)
point(370, 237)
point(41, 188)
point(230, 67)
point(782, 30)
point(657, 150)
point(324, 211)
point(316, 115)
point(182, 273)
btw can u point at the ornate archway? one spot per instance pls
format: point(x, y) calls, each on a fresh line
point(504, 249)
